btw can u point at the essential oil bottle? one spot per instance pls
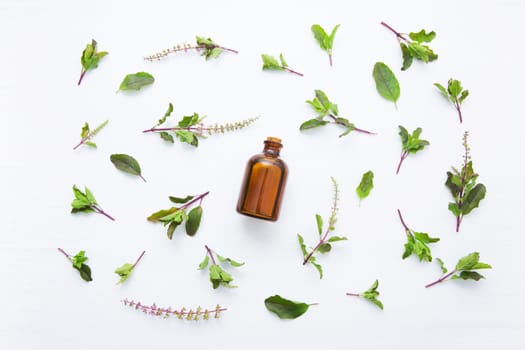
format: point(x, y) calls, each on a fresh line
point(264, 181)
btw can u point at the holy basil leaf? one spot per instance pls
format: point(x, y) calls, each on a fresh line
point(136, 81)
point(79, 259)
point(302, 245)
point(468, 275)
point(422, 36)
point(220, 277)
point(172, 227)
point(319, 221)
point(194, 220)
point(270, 63)
point(312, 123)
point(324, 248)
point(337, 239)
point(157, 216)
point(442, 265)
point(85, 272)
point(472, 199)
point(366, 185)
point(204, 263)
point(180, 200)
point(127, 164)
point(325, 41)
point(166, 137)
point(124, 272)
point(187, 137)
point(407, 56)
point(90, 58)
point(284, 308)
point(386, 82)
point(468, 262)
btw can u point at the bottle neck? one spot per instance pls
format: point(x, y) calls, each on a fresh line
point(272, 149)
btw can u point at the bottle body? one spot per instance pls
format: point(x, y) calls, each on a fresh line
point(264, 183)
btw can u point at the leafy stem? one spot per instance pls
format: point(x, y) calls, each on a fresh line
point(183, 313)
point(85, 202)
point(464, 269)
point(210, 254)
point(86, 135)
point(209, 49)
point(78, 263)
point(218, 276)
point(455, 93)
point(410, 143)
point(370, 294)
point(271, 63)
point(417, 242)
point(399, 35)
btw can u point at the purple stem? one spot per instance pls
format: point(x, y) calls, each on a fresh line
point(293, 71)
point(443, 278)
point(356, 129)
point(140, 257)
point(403, 221)
point(210, 253)
point(458, 108)
point(227, 49)
point(330, 58)
point(143, 179)
point(154, 308)
point(82, 73)
point(199, 197)
point(66, 254)
point(189, 128)
point(403, 157)
point(100, 211)
point(399, 35)
point(353, 294)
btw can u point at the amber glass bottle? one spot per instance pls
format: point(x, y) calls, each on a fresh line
point(264, 181)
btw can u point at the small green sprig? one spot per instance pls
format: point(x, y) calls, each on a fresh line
point(190, 128)
point(325, 41)
point(175, 216)
point(410, 144)
point(207, 46)
point(86, 203)
point(78, 263)
point(271, 63)
point(462, 185)
point(370, 294)
point(126, 269)
point(325, 108)
point(86, 135)
point(417, 242)
point(324, 244)
point(90, 59)
point(413, 46)
point(464, 269)
point(218, 277)
point(455, 94)
point(181, 314)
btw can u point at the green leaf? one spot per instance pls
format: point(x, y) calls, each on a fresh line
point(79, 259)
point(124, 272)
point(172, 227)
point(180, 200)
point(85, 130)
point(422, 52)
point(283, 62)
point(425, 238)
point(321, 37)
point(453, 207)
point(468, 262)
point(189, 120)
point(371, 294)
point(386, 82)
point(157, 216)
point(85, 272)
point(284, 308)
point(468, 275)
point(312, 123)
point(366, 185)
point(472, 198)
point(220, 277)
point(481, 265)
point(442, 89)
point(332, 36)
point(91, 144)
point(337, 239)
point(454, 87)
point(126, 163)
point(317, 266)
point(90, 57)
point(453, 183)
point(409, 247)
point(83, 202)
point(204, 262)
point(407, 57)
point(351, 127)
point(194, 221)
point(187, 137)
point(403, 133)
point(464, 95)
point(442, 265)
point(319, 221)
point(270, 63)
point(302, 245)
point(166, 115)
point(422, 36)
point(324, 248)
point(323, 99)
point(229, 261)
point(166, 137)
point(136, 81)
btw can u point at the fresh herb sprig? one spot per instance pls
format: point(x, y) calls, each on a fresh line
point(417, 242)
point(190, 128)
point(387, 84)
point(455, 94)
point(285, 308)
point(462, 185)
point(324, 244)
point(271, 63)
point(126, 269)
point(181, 314)
point(413, 46)
point(207, 46)
point(325, 41)
point(86, 203)
point(218, 277)
point(465, 269)
point(370, 294)
point(327, 109)
point(410, 144)
point(90, 59)
point(175, 216)
point(78, 263)
point(86, 135)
